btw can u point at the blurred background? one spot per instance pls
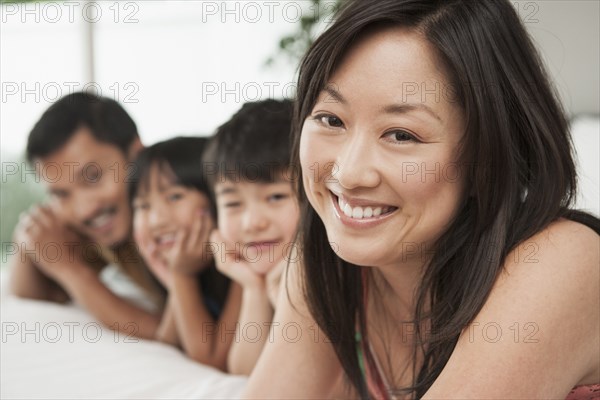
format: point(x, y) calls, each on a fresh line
point(184, 67)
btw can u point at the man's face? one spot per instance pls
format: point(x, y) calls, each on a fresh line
point(87, 179)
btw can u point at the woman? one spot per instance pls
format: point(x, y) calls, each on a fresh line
point(440, 257)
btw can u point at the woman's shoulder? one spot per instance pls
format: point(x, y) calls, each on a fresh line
point(553, 279)
point(559, 265)
point(537, 334)
point(564, 247)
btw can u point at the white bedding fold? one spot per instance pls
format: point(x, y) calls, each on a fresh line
point(52, 351)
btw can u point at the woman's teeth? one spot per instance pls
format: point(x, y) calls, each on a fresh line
point(362, 212)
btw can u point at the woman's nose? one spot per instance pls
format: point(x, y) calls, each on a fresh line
point(355, 164)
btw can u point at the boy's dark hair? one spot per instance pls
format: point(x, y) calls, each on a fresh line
point(180, 157)
point(254, 145)
point(104, 117)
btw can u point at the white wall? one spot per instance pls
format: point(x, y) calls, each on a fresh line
point(567, 33)
point(156, 57)
point(179, 67)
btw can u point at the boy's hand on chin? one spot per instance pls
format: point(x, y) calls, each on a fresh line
point(233, 265)
point(51, 245)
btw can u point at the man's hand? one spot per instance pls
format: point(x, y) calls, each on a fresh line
point(234, 266)
point(56, 248)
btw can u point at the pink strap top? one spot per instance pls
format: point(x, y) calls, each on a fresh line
point(585, 392)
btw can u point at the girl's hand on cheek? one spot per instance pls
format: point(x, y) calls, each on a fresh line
point(231, 263)
point(191, 253)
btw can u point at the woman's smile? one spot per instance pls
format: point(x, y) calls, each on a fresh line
point(360, 213)
point(355, 151)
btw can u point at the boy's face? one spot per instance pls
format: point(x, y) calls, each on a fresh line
point(86, 180)
point(259, 219)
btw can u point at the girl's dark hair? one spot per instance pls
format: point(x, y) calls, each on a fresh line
point(181, 159)
point(519, 171)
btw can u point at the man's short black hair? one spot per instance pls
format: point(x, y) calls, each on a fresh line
point(104, 117)
point(254, 145)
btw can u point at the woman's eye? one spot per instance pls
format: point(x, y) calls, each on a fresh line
point(330, 121)
point(400, 136)
point(232, 204)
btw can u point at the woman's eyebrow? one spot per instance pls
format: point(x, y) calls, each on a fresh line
point(390, 109)
point(407, 107)
point(337, 96)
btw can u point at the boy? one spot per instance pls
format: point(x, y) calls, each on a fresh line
point(249, 164)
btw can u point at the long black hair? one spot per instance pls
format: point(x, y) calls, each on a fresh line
point(520, 171)
point(181, 159)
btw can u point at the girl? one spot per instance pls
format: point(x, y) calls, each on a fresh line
point(440, 256)
point(172, 223)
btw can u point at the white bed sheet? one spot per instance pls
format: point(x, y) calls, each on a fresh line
point(51, 351)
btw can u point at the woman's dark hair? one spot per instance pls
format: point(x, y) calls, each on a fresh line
point(181, 159)
point(518, 162)
point(104, 117)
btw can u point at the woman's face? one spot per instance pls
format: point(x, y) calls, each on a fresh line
point(165, 208)
point(379, 151)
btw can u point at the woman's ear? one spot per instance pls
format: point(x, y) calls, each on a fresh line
point(134, 148)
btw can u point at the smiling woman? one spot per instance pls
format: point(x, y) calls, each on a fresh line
point(371, 135)
point(437, 181)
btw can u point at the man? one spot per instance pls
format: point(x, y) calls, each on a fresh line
point(82, 146)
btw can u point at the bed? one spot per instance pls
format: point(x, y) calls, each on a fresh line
point(51, 351)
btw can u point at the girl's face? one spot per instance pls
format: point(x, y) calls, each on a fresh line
point(164, 208)
point(379, 151)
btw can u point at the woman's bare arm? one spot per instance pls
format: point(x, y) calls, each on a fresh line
point(296, 362)
point(538, 334)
